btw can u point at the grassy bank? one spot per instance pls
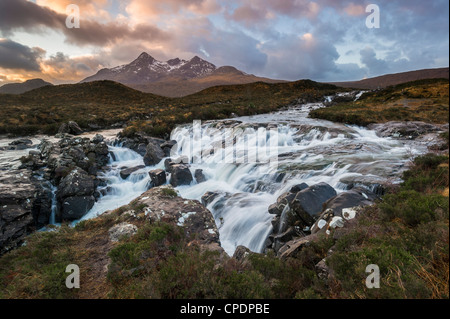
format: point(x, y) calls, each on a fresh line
point(423, 100)
point(106, 103)
point(406, 235)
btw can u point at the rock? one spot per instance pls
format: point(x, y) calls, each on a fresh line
point(126, 172)
point(311, 199)
point(121, 230)
point(293, 247)
point(197, 221)
point(342, 208)
point(209, 197)
point(97, 139)
point(74, 208)
point(299, 188)
point(158, 177)
point(154, 154)
point(199, 176)
point(76, 183)
point(409, 130)
point(167, 147)
point(70, 128)
point(23, 141)
point(181, 175)
point(168, 163)
point(17, 196)
point(323, 271)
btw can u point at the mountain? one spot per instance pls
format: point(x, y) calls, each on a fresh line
point(19, 88)
point(394, 79)
point(175, 77)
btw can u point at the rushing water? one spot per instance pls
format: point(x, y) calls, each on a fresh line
point(307, 150)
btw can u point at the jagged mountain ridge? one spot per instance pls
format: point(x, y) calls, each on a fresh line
point(146, 69)
point(175, 77)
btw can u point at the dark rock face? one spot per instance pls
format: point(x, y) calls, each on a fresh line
point(125, 173)
point(75, 195)
point(17, 196)
point(75, 207)
point(181, 175)
point(209, 197)
point(154, 154)
point(158, 177)
point(199, 176)
point(70, 128)
point(295, 212)
point(342, 208)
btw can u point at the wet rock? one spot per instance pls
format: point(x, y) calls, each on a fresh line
point(409, 130)
point(121, 230)
point(199, 176)
point(70, 128)
point(311, 199)
point(209, 197)
point(75, 207)
point(154, 154)
point(298, 188)
point(158, 177)
point(97, 139)
point(167, 147)
point(76, 183)
point(17, 195)
point(126, 172)
point(181, 175)
point(342, 208)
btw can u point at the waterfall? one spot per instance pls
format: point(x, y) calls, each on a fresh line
point(252, 163)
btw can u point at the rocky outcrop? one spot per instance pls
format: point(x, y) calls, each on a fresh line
point(409, 130)
point(158, 177)
point(121, 230)
point(342, 208)
point(17, 196)
point(196, 220)
point(75, 195)
point(295, 212)
point(70, 127)
point(154, 154)
point(181, 175)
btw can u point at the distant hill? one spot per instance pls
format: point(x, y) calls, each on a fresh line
point(175, 77)
point(394, 79)
point(19, 88)
point(104, 104)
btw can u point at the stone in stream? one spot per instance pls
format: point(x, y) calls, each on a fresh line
point(154, 154)
point(181, 175)
point(199, 176)
point(70, 128)
point(126, 172)
point(158, 177)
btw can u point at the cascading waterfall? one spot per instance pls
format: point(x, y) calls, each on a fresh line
point(247, 180)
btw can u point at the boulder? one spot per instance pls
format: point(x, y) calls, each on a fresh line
point(70, 128)
point(121, 230)
point(17, 196)
point(97, 139)
point(75, 207)
point(158, 177)
point(196, 221)
point(181, 175)
point(126, 172)
point(342, 208)
point(311, 199)
point(76, 183)
point(154, 154)
point(199, 176)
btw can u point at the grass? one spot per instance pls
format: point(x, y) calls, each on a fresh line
point(105, 103)
point(423, 100)
point(406, 235)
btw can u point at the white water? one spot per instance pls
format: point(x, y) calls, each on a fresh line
point(310, 151)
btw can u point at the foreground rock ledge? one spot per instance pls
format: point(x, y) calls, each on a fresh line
point(163, 204)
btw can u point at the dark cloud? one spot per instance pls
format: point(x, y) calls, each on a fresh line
point(14, 55)
point(22, 15)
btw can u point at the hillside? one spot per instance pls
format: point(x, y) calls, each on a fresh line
point(394, 79)
point(101, 104)
point(19, 88)
point(423, 100)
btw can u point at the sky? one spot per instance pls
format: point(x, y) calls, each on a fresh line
point(322, 40)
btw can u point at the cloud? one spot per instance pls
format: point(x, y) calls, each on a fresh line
point(16, 56)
